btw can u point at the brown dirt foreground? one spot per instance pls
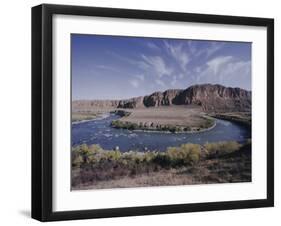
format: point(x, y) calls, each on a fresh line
point(228, 168)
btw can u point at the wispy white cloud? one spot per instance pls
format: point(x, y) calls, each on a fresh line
point(107, 67)
point(210, 50)
point(239, 68)
point(198, 69)
point(191, 46)
point(160, 83)
point(218, 69)
point(140, 77)
point(214, 47)
point(178, 52)
point(218, 62)
point(181, 75)
point(174, 81)
point(158, 65)
point(226, 70)
point(137, 80)
point(153, 46)
point(139, 66)
point(135, 62)
point(135, 83)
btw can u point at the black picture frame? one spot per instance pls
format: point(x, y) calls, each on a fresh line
point(42, 107)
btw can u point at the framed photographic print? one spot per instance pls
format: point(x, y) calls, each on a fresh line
point(145, 112)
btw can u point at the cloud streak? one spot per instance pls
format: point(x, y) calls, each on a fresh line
point(131, 66)
point(215, 64)
point(211, 49)
point(158, 65)
point(179, 54)
point(227, 70)
point(135, 83)
point(160, 83)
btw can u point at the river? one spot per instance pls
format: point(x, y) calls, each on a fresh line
point(100, 132)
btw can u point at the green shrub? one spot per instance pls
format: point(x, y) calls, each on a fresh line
point(112, 155)
point(163, 160)
point(174, 156)
point(94, 149)
point(124, 125)
point(222, 147)
point(116, 124)
point(84, 149)
point(184, 155)
point(149, 156)
point(191, 152)
point(133, 156)
point(187, 129)
point(76, 159)
point(172, 129)
point(132, 126)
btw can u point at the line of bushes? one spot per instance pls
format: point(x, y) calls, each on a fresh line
point(209, 122)
point(186, 154)
point(174, 156)
point(147, 126)
point(121, 113)
point(118, 124)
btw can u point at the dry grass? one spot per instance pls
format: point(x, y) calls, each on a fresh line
point(144, 180)
point(222, 148)
point(86, 114)
point(80, 116)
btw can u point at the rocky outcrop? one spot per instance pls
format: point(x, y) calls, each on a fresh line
point(212, 98)
point(135, 102)
point(153, 100)
point(215, 98)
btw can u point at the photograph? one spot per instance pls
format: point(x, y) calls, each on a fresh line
point(159, 111)
point(146, 112)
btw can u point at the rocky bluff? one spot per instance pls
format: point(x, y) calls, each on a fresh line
point(212, 98)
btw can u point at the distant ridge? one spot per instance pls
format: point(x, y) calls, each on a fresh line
point(212, 98)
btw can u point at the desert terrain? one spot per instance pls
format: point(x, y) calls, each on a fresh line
point(191, 110)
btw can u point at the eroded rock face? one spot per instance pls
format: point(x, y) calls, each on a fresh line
point(153, 100)
point(169, 96)
point(211, 97)
point(135, 102)
point(216, 98)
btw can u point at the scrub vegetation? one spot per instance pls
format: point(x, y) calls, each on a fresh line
point(93, 167)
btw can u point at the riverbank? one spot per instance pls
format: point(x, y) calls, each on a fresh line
point(82, 117)
point(221, 162)
point(171, 119)
point(243, 118)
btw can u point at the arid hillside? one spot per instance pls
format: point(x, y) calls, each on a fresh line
point(212, 98)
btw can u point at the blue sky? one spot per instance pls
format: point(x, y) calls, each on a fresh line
point(115, 67)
